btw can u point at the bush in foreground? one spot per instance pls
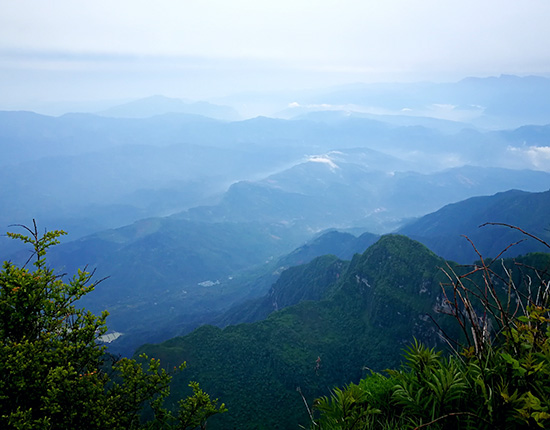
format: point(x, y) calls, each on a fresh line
point(498, 377)
point(54, 373)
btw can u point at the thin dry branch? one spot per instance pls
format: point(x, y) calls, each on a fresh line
point(519, 229)
point(507, 248)
point(456, 414)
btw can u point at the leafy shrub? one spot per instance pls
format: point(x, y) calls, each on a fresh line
point(497, 378)
point(54, 374)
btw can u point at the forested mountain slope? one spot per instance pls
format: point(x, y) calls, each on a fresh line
point(443, 231)
point(378, 303)
point(304, 282)
point(375, 306)
point(165, 274)
point(305, 276)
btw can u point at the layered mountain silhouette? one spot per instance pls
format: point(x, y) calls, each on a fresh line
point(160, 105)
point(445, 230)
point(325, 192)
point(197, 272)
point(342, 320)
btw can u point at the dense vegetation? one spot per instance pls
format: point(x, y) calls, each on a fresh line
point(498, 378)
point(369, 310)
point(53, 372)
point(330, 323)
point(377, 304)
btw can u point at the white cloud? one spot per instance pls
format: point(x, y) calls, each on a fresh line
point(324, 160)
point(395, 33)
point(537, 157)
point(320, 43)
point(443, 107)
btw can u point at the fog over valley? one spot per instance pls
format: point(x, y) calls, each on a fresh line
point(172, 184)
point(285, 197)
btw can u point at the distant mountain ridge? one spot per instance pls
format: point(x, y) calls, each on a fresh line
point(495, 102)
point(336, 116)
point(329, 193)
point(443, 230)
point(356, 316)
point(341, 244)
point(161, 105)
point(364, 318)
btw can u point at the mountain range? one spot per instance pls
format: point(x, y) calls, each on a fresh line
point(505, 101)
point(301, 177)
point(444, 231)
point(325, 192)
point(196, 272)
point(293, 251)
point(160, 105)
point(340, 321)
point(123, 169)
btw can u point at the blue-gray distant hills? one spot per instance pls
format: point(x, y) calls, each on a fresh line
point(161, 105)
point(324, 193)
point(125, 169)
point(198, 214)
point(443, 231)
point(502, 102)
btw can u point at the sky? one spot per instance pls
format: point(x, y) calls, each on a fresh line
point(72, 50)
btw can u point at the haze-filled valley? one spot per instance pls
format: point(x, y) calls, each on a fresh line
point(275, 215)
point(317, 225)
point(201, 205)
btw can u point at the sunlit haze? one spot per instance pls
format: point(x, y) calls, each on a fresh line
point(92, 51)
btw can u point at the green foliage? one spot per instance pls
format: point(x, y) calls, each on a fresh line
point(430, 387)
point(367, 316)
point(499, 380)
point(195, 410)
point(360, 321)
point(53, 372)
point(357, 406)
point(348, 408)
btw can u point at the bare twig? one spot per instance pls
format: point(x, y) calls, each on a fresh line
point(455, 414)
point(307, 406)
point(519, 229)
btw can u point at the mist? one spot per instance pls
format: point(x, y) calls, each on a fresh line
point(188, 148)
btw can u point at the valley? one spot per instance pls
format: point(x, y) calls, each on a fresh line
point(304, 249)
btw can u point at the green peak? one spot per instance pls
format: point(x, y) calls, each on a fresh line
point(395, 249)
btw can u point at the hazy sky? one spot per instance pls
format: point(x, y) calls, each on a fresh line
point(75, 50)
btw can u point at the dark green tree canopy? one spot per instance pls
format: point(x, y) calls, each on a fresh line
point(54, 373)
point(497, 376)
